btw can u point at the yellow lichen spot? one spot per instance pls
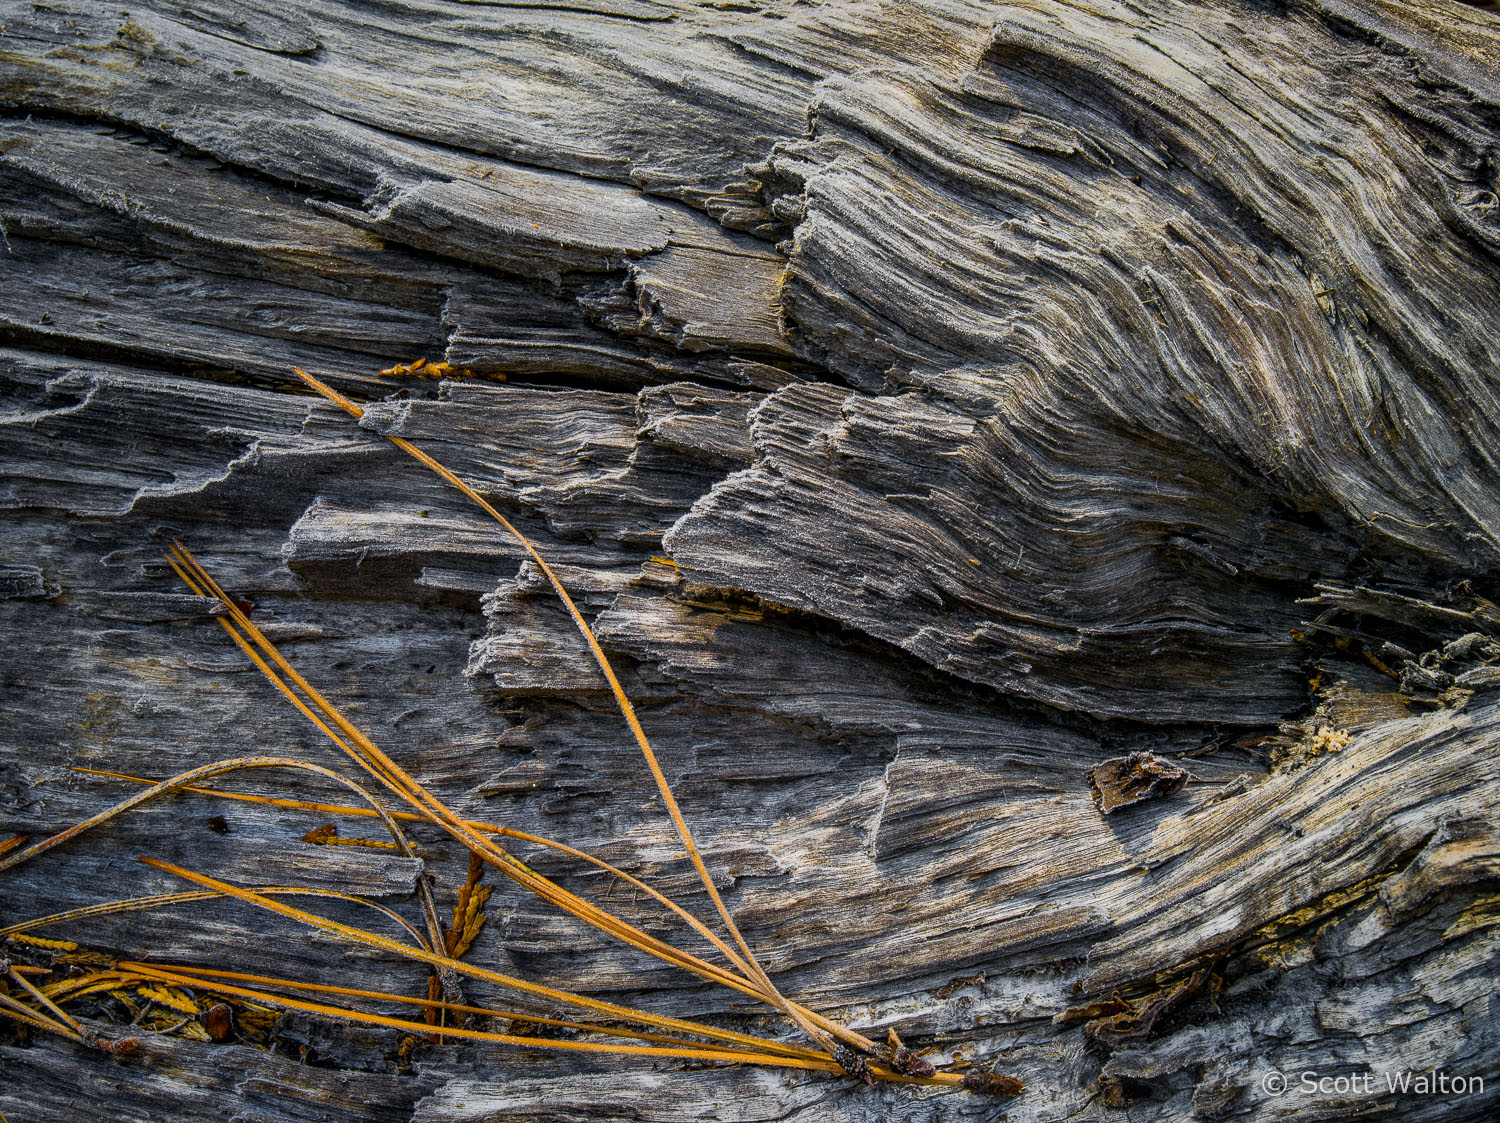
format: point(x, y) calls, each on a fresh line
point(328, 835)
point(132, 32)
point(194, 1031)
point(127, 1000)
point(1330, 740)
point(109, 982)
point(319, 836)
point(423, 369)
point(170, 997)
point(84, 958)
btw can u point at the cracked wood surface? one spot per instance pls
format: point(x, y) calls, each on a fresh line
point(926, 402)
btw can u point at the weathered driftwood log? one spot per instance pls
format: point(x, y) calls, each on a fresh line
point(926, 403)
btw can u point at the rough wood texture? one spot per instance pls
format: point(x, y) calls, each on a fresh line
point(927, 403)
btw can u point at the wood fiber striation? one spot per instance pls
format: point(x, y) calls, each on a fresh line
point(925, 403)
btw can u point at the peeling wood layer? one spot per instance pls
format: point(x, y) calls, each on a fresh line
point(929, 405)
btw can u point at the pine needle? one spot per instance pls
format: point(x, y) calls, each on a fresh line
point(165, 900)
point(188, 779)
point(374, 761)
point(196, 975)
point(342, 1013)
point(369, 939)
point(750, 965)
point(52, 1007)
point(20, 1012)
point(411, 817)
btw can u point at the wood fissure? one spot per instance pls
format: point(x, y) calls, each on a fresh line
point(928, 406)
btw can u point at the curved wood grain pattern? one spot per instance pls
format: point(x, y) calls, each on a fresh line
point(925, 402)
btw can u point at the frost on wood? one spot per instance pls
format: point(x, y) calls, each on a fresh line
point(927, 404)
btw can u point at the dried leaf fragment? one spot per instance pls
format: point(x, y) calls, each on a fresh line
point(218, 1019)
point(1125, 780)
point(993, 1083)
point(1140, 1018)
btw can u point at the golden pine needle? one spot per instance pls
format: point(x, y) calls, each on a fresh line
point(52, 1007)
point(195, 974)
point(424, 890)
point(411, 817)
point(700, 1052)
point(371, 758)
point(421, 955)
point(19, 1011)
point(187, 779)
point(164, 900)
point(750, 965)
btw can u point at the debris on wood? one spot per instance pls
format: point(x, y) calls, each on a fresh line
point(1127, 780)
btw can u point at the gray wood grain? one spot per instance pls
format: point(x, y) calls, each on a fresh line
point(926, 403)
